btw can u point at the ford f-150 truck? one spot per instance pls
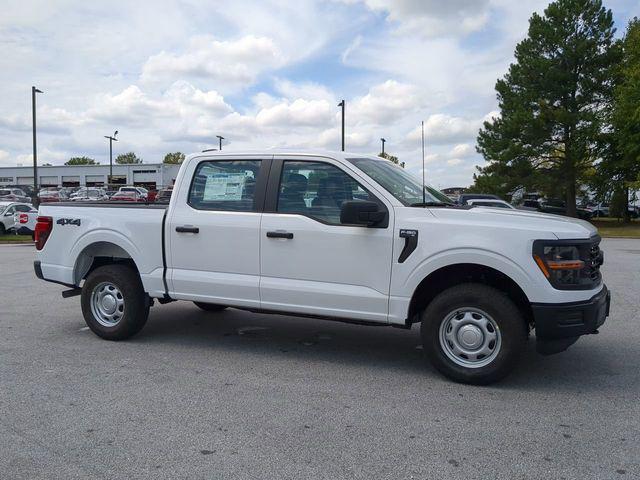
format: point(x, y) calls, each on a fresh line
point(337, 236)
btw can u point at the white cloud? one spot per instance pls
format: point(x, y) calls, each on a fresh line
point(299, 113)
point(229, 64)
point(443, 129)
point(433, 17)
point(5, 159)
point(385, 103)
point(262, 74)
point(462, 150)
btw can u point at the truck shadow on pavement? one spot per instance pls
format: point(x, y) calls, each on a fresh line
point(585, 366)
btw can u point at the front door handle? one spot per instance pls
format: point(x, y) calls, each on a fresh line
point(280, 234)
point(187, 229)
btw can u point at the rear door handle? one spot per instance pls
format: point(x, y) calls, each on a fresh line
point(280, 234)
point(186, 229)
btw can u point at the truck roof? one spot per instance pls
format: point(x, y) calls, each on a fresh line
point(287, 151)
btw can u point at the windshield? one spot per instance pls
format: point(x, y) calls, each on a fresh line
point(399, 183)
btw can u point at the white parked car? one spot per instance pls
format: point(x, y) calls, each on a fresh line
point(25, 222)
point(90, 195)
point(139, 191)
point(490, 202)
point(337, 236)
point(7, 211)
point(13, 195)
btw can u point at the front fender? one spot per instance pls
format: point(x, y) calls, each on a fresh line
point(521, 276)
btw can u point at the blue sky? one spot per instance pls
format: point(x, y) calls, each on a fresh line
point(171, 75)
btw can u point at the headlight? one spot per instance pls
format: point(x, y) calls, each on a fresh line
point(562, 264)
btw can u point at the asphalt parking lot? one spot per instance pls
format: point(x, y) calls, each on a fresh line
point(240, 395)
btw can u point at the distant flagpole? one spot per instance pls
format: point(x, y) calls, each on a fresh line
point(424, 199)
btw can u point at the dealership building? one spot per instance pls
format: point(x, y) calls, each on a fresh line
point(148, 175)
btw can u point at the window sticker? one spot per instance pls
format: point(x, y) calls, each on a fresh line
point(224, 186)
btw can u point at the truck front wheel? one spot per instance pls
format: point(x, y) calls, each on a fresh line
point(473, 333)
point(114, 304)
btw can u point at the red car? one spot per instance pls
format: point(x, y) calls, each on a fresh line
point(127, 196)
point(49, 196)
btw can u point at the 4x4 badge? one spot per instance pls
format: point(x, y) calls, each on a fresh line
point(69, 221)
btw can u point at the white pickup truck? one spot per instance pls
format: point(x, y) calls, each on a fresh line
point(337, 236)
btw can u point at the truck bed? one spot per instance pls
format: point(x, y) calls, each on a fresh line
point(85, 230)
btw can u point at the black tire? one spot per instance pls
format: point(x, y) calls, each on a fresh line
point(134, 300)
point(210, 307)
point(3, 230)
point(512, 332)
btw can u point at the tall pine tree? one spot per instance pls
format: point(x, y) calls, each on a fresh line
point(620, 167)
point(553, 100)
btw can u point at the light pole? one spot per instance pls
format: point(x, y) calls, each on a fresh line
point(220, 142)
point(34, 90)
point(382, 140)
point(111, 140)
point(342, 104)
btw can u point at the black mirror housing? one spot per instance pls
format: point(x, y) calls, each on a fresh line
point(361, 212)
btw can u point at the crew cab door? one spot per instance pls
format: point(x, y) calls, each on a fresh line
point(310, 262)
point(214, 231)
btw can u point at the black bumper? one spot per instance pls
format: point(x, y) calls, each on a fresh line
point(38, 269)
point(558, 325)
point(25, 231)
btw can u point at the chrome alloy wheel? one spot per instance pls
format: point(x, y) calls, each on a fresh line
point(107, 304)
point(470, 337)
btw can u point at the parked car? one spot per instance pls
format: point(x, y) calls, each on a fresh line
point(599, 210)
point(50, 195)
point(464, 198)
point(164, 195)
point(14, 195)
point(490, 202)
point(25, 222)
point(26, 189)
point(559, 207)
point(89, 195)
point(554, 206)
point(152, 195)
point(282, 232)
point(7, 211)
point(142, 192)
point(127, 196)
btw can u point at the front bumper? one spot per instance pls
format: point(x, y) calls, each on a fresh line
point(558, 325)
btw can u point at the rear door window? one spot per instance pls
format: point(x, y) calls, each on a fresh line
point(225, 185)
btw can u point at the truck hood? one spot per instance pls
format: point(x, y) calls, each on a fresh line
point(562, 227)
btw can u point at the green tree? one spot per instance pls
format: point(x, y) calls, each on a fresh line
point(552, 100)
point(391, 158)
point(81, 161)
point(620, 167)
point(175, 157)
point(126, 158)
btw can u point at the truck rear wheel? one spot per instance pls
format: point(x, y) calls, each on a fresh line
point(210, 307)
point(473, 333)
point(114, 303)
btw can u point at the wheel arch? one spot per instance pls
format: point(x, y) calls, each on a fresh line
point(448, 276)
point(97, 254)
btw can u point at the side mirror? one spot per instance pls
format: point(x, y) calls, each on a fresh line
point(360, 212)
